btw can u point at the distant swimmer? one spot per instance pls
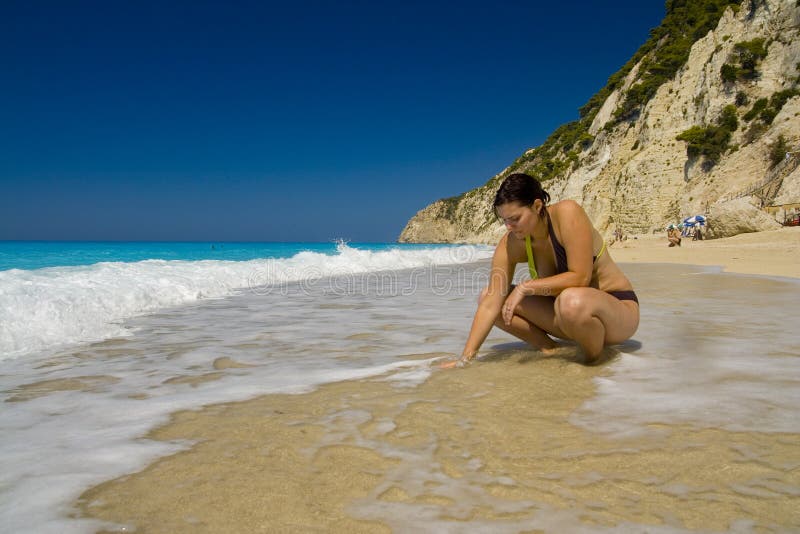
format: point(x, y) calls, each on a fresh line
point(575, 290)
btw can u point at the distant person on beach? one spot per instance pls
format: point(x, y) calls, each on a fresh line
point(674, 237)
point(576, 291)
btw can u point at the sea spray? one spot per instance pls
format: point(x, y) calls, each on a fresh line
point(58, 306)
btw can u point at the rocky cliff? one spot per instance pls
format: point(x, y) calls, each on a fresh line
point(657, 145)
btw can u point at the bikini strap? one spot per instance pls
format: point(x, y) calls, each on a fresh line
point(602, 249)
point(558, 249)
point(531, 263)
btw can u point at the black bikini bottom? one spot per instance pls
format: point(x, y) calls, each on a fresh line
point(620, 295)
point(624, 295)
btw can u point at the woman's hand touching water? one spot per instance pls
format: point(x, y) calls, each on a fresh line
point(454, 364)
point(507, 313)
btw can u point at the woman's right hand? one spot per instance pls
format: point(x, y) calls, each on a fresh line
point(511, 303)
point(461, 362)
point(453, 364)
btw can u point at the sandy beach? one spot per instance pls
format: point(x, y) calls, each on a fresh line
point(518, 442)
point(488, 449)
point(772, 253)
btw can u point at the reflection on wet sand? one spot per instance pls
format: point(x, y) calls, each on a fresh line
point(46, 387)
point(489, 447)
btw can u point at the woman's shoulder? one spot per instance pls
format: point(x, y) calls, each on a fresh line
point(567, 217)
point(565, 207)
point(566, 211)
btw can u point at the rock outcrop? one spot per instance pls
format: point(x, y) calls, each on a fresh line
point(632, 172)
point(738, 216)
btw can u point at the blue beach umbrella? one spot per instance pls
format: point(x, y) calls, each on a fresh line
point(696, 219)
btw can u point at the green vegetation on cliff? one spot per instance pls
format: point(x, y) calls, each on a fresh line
point(778, 151)
point(662, 55)
point(711, 141)
point(769, 109)
point(746, 56)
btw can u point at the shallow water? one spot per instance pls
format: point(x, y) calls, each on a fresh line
point(73, 418)
point(713, 352)
point(713, 349)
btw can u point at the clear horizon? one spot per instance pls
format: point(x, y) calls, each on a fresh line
point(257, 122)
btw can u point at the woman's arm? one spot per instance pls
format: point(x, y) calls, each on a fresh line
point(489, 307)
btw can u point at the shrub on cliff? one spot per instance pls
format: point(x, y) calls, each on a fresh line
point(708, 141)
point(758, 106)
point(711, 141)
point(766, 110)
point(776, 102)
point(745, 58)
point(669, 45)
point(749, 54)
point(729, 119)
point(778, 151)
point(728, 73)
point(662, 55)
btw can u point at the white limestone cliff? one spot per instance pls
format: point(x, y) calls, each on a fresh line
point(636, 175)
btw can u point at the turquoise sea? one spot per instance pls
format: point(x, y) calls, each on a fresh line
point(40, 254)
point(56, 293)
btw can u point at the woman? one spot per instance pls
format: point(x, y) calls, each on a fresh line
point(576, 291)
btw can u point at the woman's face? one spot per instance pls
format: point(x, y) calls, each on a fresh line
point(518, 218)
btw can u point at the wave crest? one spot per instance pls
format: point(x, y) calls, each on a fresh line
point(55, 306)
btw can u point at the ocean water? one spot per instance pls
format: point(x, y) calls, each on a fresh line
point(93, 353)
point(60, 293)
point(29, 255)
point(96, 355)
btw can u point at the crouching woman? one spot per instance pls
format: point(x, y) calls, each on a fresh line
point(576, 291)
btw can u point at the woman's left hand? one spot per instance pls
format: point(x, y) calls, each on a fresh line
point(511, 303)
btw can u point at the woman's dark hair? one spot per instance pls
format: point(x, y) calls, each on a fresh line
point(522, 188)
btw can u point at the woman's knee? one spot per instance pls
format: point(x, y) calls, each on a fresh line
point(571, 306)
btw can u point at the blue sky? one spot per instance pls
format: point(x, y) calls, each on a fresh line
point(291, 121)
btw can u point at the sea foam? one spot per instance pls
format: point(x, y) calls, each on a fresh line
point(46, 308)
point(76, 417)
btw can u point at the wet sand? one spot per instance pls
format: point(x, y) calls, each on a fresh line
point(486, 448)
point(772, 253)
point(505, 444)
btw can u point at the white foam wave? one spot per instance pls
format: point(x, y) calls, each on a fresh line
point(57, 306)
